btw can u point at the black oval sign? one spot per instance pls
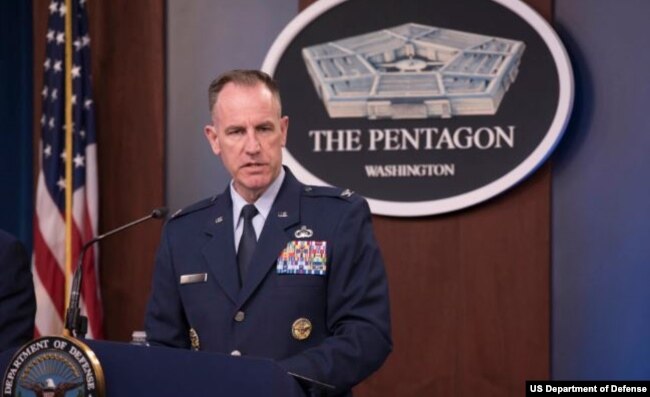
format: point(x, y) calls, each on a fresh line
point(421, 107)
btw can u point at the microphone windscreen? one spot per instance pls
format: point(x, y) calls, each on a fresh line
point(159, 213)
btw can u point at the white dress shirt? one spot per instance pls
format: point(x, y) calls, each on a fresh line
point(263, 205)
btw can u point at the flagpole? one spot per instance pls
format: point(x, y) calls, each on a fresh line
point(69, 185)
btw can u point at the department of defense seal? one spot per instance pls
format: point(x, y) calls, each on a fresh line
point(301, 328)
point(54, 366)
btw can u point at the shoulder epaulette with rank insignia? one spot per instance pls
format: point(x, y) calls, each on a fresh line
point(194, 207)
point(328, 191)
point(347, 193)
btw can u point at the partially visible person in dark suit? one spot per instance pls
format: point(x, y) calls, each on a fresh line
point(17, 301)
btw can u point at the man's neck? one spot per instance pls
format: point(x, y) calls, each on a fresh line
point(250, 196)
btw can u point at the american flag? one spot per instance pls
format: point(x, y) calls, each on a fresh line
point(49, 260)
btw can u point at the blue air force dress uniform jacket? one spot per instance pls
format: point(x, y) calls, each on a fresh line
point(315, 297)
point(17, 302)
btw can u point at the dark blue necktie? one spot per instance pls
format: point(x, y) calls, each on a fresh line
point(248, 241)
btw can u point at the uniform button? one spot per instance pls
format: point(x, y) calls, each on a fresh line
point(239, 317)
point(236, 353)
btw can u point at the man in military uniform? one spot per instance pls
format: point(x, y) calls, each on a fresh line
point(17, 301)
point(271, 267)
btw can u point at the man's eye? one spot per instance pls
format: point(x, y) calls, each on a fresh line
point(235, 132)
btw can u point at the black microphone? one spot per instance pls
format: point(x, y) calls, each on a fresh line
point(75, 323)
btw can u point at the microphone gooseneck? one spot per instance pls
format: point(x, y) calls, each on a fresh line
point(75, 324)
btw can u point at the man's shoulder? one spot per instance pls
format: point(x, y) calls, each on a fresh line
point(195, 208)
point(321, 192)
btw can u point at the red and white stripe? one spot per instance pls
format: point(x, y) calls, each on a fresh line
point(49, 254)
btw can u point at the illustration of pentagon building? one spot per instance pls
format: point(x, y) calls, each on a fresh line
point(413, 71)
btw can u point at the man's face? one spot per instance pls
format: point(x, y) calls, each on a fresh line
point(248, 134)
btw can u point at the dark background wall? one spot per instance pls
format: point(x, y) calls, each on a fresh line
point(601, 196)
point(194, 57)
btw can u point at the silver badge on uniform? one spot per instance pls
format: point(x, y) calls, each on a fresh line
point(303, 232)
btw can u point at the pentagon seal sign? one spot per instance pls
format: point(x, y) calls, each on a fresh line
point(413, 71)
point(424, 107)
point(54, 366)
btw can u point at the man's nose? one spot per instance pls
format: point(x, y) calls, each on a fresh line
point(252, 142)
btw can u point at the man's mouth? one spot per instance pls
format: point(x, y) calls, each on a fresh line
point(253, 165)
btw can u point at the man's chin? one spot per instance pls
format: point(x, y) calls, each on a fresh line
point(255, 178)
point(254, 184)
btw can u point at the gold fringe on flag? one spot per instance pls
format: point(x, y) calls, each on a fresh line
point(69, 183)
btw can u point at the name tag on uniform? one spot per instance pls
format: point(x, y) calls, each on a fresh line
point(303, 257)
point(194, 278)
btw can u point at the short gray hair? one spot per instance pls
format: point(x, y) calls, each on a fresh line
point(248, 78)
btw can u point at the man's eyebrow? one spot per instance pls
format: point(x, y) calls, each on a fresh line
point(265, 123)
point(234, 127)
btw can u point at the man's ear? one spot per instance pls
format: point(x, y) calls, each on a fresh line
point(213, 139)
point(284, 127)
